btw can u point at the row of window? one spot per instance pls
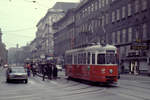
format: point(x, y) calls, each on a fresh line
point(116, 16)
point(94, 6)
point(93, 24)
point(91, 58)
point(129, 34)
point(121, 13)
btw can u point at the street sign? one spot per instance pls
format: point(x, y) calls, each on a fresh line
point(139, 47)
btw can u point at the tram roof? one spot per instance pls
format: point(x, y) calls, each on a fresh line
point(93, 48)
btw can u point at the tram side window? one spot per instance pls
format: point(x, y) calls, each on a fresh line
point(93, 58)
point(75, 59)
point(79, 61)
point(71, 59)
point(101, 59)
point(84, 58)
point(81, 58)
point(88, 58)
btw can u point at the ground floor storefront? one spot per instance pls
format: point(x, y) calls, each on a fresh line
point(134, 60)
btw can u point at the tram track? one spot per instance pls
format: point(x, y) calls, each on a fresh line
point(131, 91)
point(82, 92)
point(136, 86)
point(129, 95)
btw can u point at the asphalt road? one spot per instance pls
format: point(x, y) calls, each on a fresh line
point(62, 89)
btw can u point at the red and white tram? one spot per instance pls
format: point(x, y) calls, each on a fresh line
point(94, 63)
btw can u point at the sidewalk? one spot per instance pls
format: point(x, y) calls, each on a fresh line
point(134, 77)
point(61, 74)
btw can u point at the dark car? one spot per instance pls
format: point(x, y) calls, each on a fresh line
point(16, 73)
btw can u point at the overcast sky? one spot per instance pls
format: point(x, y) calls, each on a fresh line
point(18, 19)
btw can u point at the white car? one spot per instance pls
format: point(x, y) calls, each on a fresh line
point(59, 67)
point(16, 73)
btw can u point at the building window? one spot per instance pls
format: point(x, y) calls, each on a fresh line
point(124, 35)
point(107, 18)
point(92, 7)
point(130, 34)
point(113, 38)
point(144, 4)
point(103, 3)
point(103, 20)
point(118, 14)
point(144, 30)
point(137, 33)
point(100, 22)
point(100, 4)
point(96, 5)
point(129, 10)
point(86, 12)
point(113, 16)
point(89, 9)
point(123, 12)
point(107, 2)
point(137, 6)
point(118, 37)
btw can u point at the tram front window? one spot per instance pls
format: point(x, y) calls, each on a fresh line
point(111, 59)
point(101, 59)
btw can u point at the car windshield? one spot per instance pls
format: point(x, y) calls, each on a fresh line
point(18, 70)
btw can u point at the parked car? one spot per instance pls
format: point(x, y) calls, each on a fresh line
point(16, 73)
point(5, 66)
point(59, 67)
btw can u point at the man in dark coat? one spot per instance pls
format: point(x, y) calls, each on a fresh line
point(55, 71)
point(49, 69)
point(44, 71)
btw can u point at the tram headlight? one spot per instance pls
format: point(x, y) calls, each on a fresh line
point(110, 71)
point(103, 70)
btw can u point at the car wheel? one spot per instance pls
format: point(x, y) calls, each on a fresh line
point(26, 81)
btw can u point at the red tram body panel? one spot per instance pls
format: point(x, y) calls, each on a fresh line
point(93, 64)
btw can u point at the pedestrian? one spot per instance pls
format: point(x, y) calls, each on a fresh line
point(43, 71)
point(55, 71)
point(49, 71)
point(34, 70)
point(122, 69)
point(28, 69)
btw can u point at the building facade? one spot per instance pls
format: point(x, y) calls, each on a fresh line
point(44, 34)
point(3, 51)
point(64, 36)
point(44, 41)
point(129, 31)
point(123, 23)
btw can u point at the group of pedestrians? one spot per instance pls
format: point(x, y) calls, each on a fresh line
point(31, 68)
point(49, 70)
point(45, 68)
